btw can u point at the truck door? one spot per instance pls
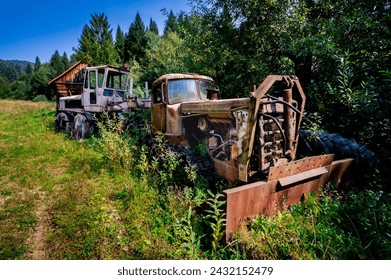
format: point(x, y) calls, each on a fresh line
point(90, 86)
point(158, 109)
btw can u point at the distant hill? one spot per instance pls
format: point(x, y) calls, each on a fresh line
point(12, 69)
point(22, 63)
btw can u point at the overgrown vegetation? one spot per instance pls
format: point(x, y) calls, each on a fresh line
point(332, 227)
point(75, 200)
point(121, 194)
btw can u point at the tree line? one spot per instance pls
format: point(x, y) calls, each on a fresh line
point(96, 46)
point(25, 80)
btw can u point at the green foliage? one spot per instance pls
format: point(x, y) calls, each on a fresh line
point(153, 27)
point(58, 63)
point(5, 88)
point(37, 63)
point(215, 219)
point(353, 103)
point(38, 83)
point(11, 70)
point(165, 55)
point(308, 232)
point(366, 217)
point(20, 88)
point(185, 230)
point(135, 41)
point(171, 22)
point(119, 44)
point(28, 82)
point(113, 143)
point(40, 98)
point(96, 45)
point(326, 228)
point(168, 168)
point(312, 122)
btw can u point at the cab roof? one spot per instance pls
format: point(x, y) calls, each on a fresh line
point(178, 76)
point(109, 67)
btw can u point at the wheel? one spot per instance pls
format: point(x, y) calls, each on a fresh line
point(333, 143)
point(61, 121)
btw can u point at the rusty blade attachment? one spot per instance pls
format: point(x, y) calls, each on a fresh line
point(286, 184)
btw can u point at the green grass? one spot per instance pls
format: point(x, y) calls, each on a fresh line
point(111, 197)
point(354, 227)
point(93, 211)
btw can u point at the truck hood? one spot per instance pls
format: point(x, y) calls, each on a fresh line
point(214, 106)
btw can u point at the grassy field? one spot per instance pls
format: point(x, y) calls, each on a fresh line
point(61, 199)
point(108, 198)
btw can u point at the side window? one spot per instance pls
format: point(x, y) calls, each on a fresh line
point(158, 94)
point(101, 74)
point(92, 79)
point(86, 80)
point(208, 90)
point(92, 97)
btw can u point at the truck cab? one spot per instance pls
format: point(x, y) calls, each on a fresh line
point(104, 89)
point(170, 91)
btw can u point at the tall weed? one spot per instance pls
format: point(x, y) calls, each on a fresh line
point(113, 143)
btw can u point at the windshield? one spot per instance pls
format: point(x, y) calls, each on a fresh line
point(182, 90)
point(116, 80)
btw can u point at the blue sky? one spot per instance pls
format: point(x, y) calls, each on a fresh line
point(38, 28)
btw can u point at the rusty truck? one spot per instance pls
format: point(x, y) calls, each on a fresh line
point(252, 142)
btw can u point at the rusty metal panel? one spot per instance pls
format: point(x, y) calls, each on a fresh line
point(226, 170)
point(241, 145)
point(214, 106)
point(173, 120)
point(303, 176)
point(264, 197)
point(339, 173)
point(159, 116)
point(298, 166)
point(246, 201)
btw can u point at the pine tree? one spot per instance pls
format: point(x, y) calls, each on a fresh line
point(65, 61)
point(96, 42)
point(29, 69)
point(120, 45)
point(72, 59)
point(84, 52)
point(56, 64)
point(37, 84)
point(171, 23)
point(37, 64)
point(136, 41)
point(153, 27)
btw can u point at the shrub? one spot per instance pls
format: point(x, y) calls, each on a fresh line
point(114, 144)
point(40, 98)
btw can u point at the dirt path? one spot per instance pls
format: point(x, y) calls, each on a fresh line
point(37, 241)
